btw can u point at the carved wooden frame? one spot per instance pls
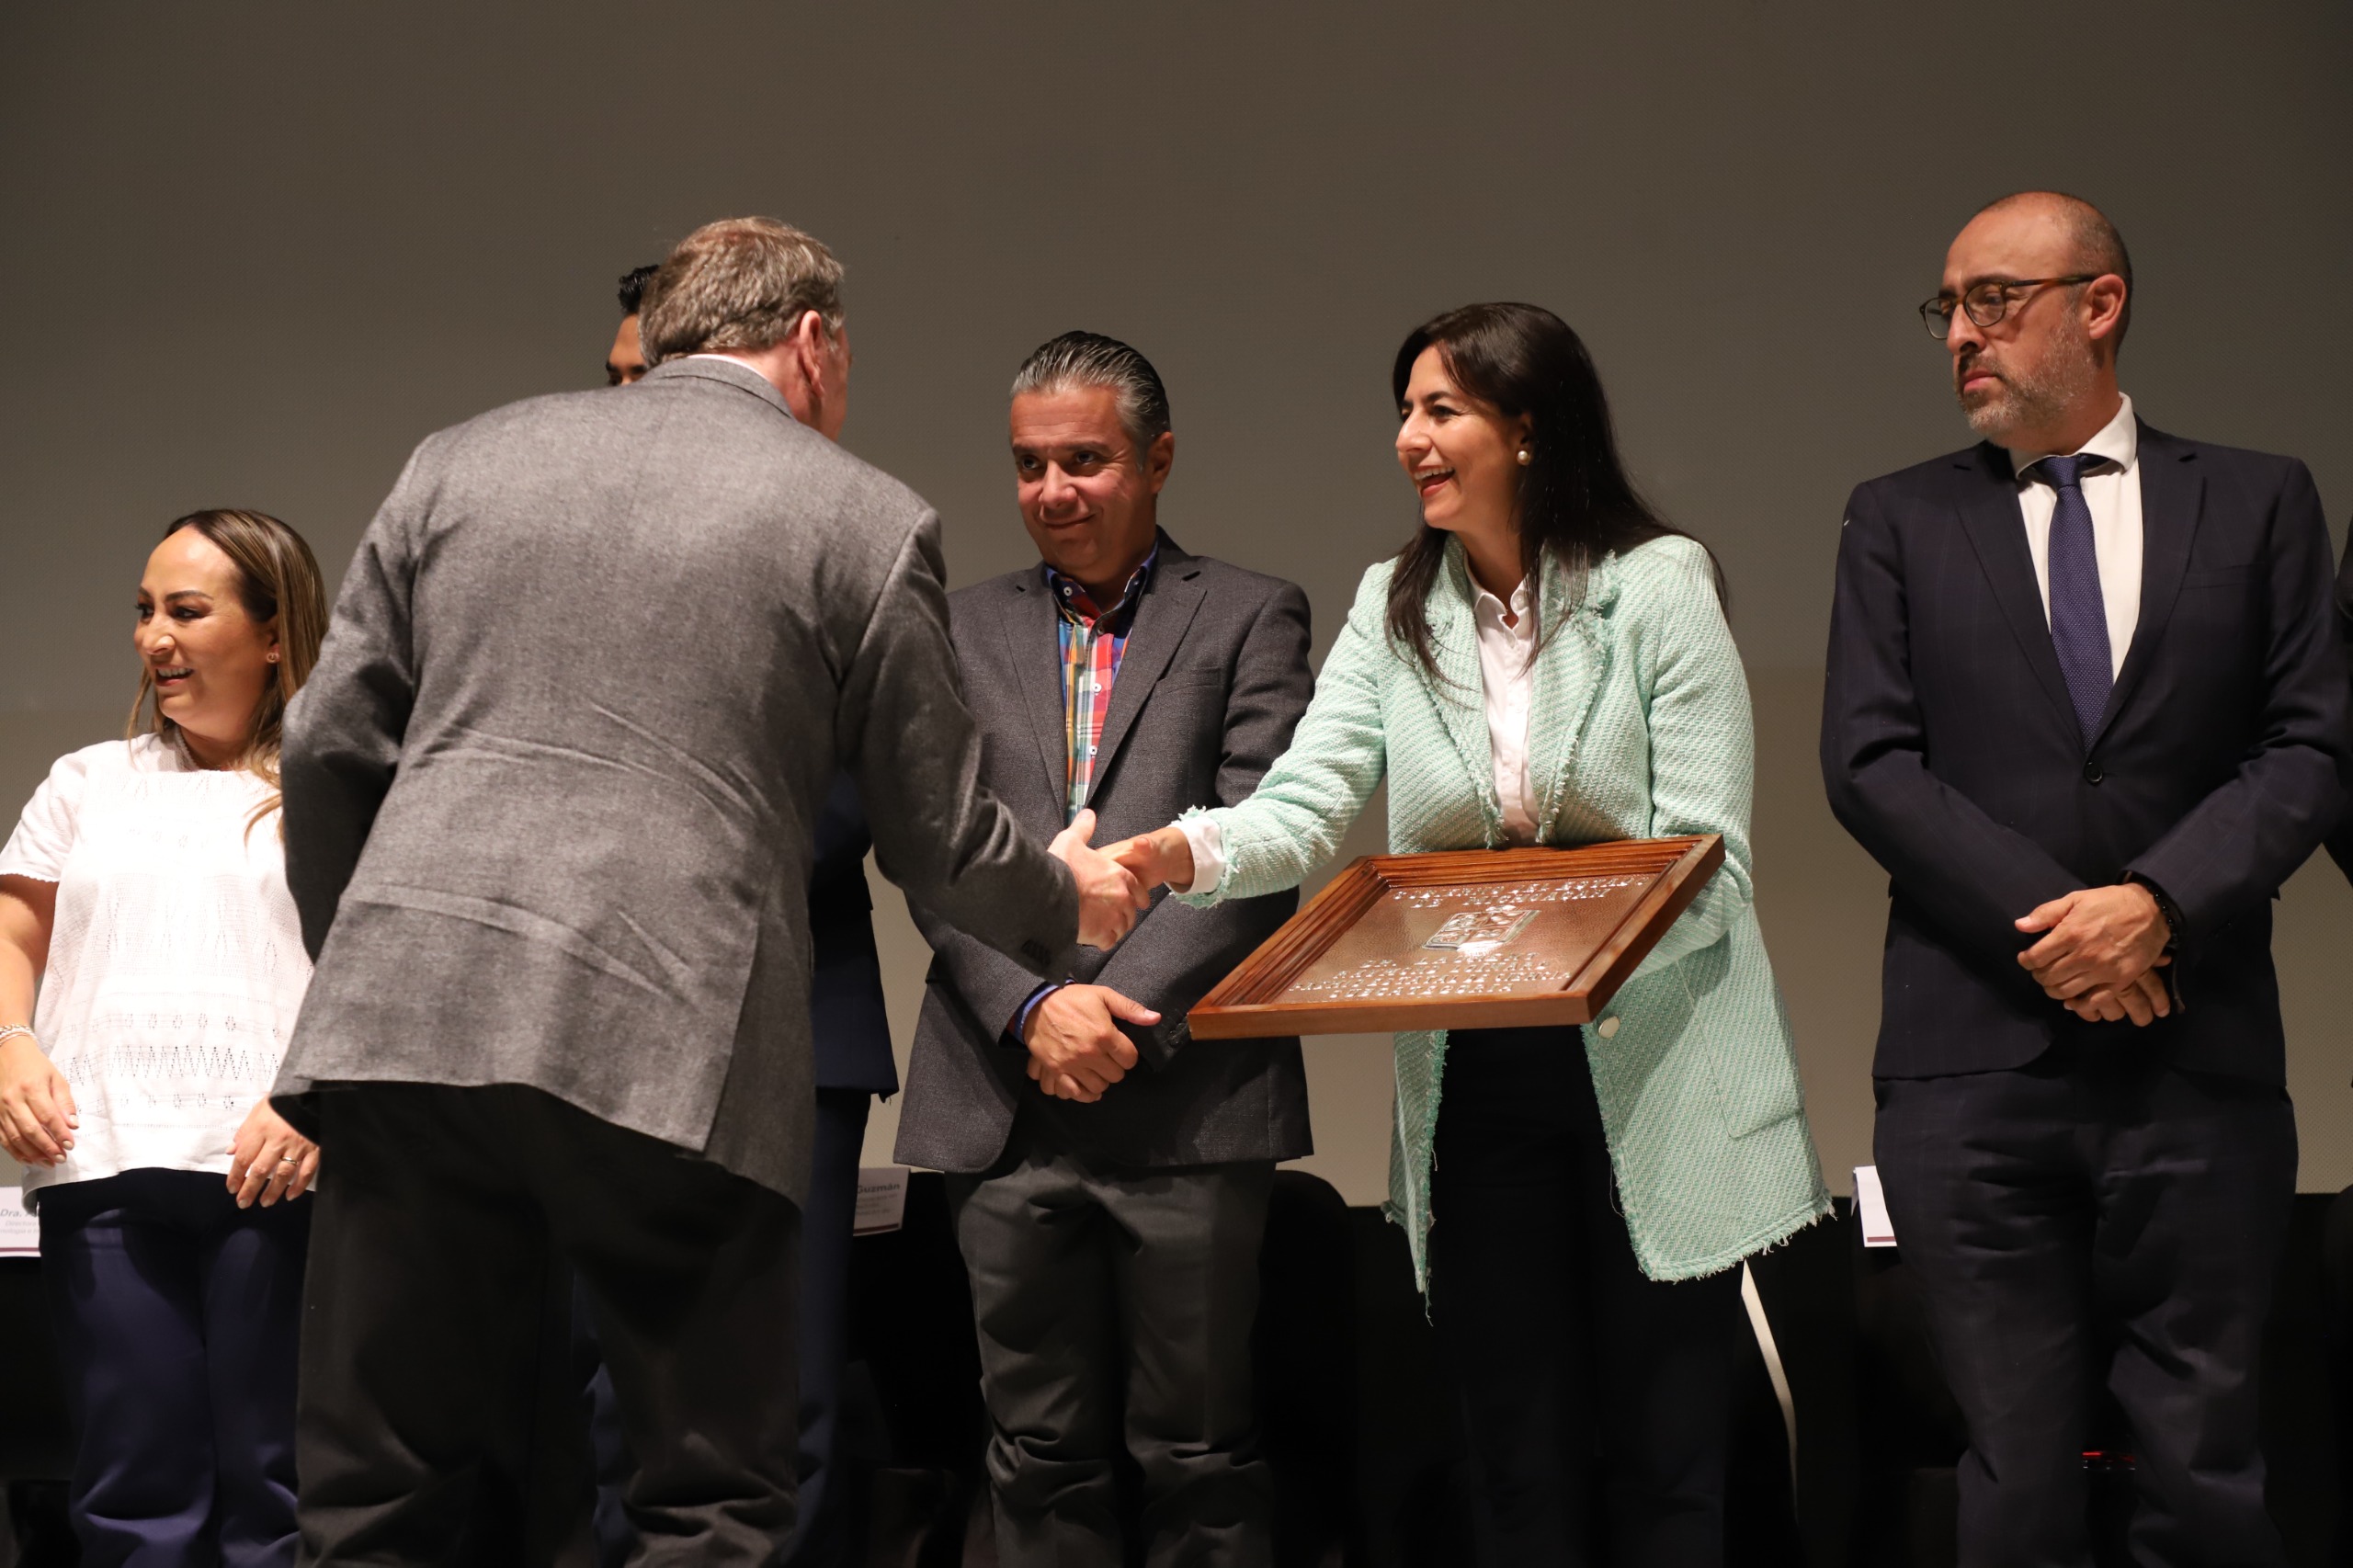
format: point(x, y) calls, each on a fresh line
point(1249, 1003)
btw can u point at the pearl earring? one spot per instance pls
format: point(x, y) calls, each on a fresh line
point(1523, 457)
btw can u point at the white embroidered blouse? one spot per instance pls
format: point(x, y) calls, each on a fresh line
point(176, 964)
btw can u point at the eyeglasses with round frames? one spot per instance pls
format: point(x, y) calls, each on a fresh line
point(1989, 301)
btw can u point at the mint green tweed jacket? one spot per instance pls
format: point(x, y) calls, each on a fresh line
point(1638, 728)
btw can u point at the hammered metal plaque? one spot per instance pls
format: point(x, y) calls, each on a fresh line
point(1465, 939)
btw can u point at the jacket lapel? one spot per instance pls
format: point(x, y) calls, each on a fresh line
point(1460, 692)
point(1033, 652)
point(1990, 517)
point(2171, 491)
point(1570, 662)
point(1163, 615)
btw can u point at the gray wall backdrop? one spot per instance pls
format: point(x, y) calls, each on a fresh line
point(257, 251)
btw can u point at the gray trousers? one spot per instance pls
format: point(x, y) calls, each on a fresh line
point(1114, 1309)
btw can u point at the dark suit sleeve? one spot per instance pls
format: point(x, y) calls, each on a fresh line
point(905, 734)
point(1177, 951)
point(2340, 838)
point(991, 984)
point(2236, 846)
point(1974, 876)
point(344, 730)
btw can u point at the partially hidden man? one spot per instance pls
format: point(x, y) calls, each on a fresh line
point(551, 798)
point(1109, 1175)
point(2085, 706)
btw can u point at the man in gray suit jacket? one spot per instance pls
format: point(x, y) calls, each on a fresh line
point(1109, 1175)
point(551, 799)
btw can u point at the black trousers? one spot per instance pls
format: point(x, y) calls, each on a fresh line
point(425, 1309)
point(1596, 1400)
point(821, 1536)
point(1115, 1310)
point(176, 1315)
point(2097, 1217)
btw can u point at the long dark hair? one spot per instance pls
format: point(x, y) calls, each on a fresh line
point(1575, 500)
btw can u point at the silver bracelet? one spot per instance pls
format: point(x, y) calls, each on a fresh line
point(7, 1029)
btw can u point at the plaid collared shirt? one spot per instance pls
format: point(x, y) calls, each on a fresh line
point(1093, 638)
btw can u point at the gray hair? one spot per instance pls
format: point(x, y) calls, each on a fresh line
point(740, 283)
point(1091, 360)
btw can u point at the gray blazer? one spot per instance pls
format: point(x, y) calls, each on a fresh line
point(553, 790)
point(1214, 678)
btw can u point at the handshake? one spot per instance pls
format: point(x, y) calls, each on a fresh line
point(1116, 882)
point(1077, 1050)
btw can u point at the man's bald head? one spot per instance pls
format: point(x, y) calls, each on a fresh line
point(2094, 243)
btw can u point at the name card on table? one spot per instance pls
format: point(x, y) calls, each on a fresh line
point(20, 1232)
point(882, 1200)
point(1870, 1203)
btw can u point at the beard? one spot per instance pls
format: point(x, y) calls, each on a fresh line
point(2035, 397)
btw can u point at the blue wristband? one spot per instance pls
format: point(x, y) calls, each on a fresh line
point(1021, 1017)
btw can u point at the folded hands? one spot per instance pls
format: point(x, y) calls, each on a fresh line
point(2100, 953)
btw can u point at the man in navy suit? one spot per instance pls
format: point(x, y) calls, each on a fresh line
point(854, 1065)
point(2085, 705)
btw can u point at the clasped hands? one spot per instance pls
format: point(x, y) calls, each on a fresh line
point(1077, 1051)
point(2100, 952)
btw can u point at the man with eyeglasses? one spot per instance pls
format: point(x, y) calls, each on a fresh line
point(2085, 705)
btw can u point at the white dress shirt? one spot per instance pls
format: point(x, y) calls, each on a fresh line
point(1507, 671)
point(1507, 674)
point(2113, 492)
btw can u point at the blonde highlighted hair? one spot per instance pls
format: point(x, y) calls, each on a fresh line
point(280, 586)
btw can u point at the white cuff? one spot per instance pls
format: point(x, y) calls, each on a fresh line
point(1208, 843)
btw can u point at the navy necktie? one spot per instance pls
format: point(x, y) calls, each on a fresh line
point(2078, 614)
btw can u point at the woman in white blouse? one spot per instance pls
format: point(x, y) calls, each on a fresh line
point(144, 893)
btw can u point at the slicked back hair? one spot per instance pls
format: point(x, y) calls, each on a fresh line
point(740, 283)
point(1091, 360)
point(631, 292)
point(2099, 244)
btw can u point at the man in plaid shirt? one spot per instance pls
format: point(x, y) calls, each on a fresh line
point(1108, 1174)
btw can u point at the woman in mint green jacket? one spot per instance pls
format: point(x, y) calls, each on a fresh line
point(1547, 662)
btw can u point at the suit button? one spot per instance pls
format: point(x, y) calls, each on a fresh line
point(2092, 775)
point(1606, 1027)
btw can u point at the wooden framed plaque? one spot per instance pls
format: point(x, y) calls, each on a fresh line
point(1465, 939)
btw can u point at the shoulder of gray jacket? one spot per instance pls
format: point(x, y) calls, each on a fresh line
point(1230, 582)
point(743, 434)
point(1227, 580)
